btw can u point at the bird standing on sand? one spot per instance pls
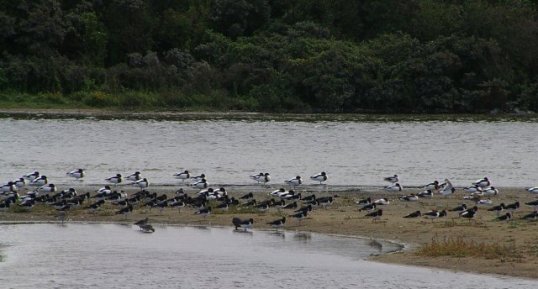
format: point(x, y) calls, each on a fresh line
point(321, 177)
point(415, 214)
point(376, 215)
point(142, 184)
point(278, 223)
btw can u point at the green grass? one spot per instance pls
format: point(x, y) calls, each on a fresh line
point(461, 247)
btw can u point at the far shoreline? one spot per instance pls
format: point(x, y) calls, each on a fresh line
point(188, 115)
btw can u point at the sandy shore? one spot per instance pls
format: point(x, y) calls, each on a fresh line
point(343, 217)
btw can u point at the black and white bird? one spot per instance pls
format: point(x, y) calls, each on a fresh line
point(31, 176)
point(185, 175)
point(364, 201)
point(258, 178)
point(104, 190)
point(77, 174)
point(482, 183)
point(375, 215)
point(279, 192)
point(201, 184)
point(473, 190)
point(147, 228)
point(300, 215)
point(142, 184)
point(490, 191)
point(425, 194)
point(9, 187)
point(39, 181)
point(142, 222)
point(497, 209)
point(325, 201)
point(198, 178)
point(469, 213)
point(392, 179)
point(115, 179)
point(435, 214)
point(295, 181)
point(136, 176)
point(368, 207)
point(533, 190)
point(433, 186)
point(243, 224)
point(50, 188)
point(459, 208)
point(278, 223)
point(125, 211)
point(395, 187)
point(415, 214)
point(505, 217)
point(321, 177)
point(20, 183)
point(382, 202)
point(203, 212)
point(447, 188)
point(409, 198)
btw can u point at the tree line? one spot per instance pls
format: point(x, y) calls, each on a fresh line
point(413, 56)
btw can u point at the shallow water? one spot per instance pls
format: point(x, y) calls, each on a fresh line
point(352, 153)
point(119, 256)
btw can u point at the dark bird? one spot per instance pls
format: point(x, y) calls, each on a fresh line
point(290, 206)
point(147, 228)
point(247, 196)
point(368, 207)
point(470, 213)
point(505, 217)
point(376, 215)
point(243, 224)
point(204, 212)
point(309, 198)
point(300, 215)
point(497, 209)
point(364, 201)
point(459, 208)
point(434, 214)
point(278, 223)
point(414, 215)
point(141, 222)
point(304, 209)
point(513, 206)
point(125, 211)
point(531, 216)
point(325, 201)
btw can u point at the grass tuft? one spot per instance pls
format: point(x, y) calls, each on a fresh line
point(461, 247)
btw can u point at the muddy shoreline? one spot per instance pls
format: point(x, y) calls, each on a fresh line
point(343, 218)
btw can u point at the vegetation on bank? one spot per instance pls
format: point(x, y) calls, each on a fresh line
point(459, 247)
point(433, 56)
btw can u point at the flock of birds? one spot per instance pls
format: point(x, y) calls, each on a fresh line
point(479, 192)
point(290, 204)
point(40, 191)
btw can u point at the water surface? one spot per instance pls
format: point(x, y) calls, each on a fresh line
point(352, 153)
point(119, 256)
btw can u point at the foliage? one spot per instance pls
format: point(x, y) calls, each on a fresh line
point(272, 55)
point(460, 247)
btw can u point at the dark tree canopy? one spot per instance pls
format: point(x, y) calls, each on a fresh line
point(430, 56)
